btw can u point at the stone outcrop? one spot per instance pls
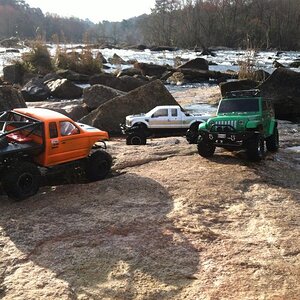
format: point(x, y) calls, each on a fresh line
point(73, 76)
point(196, 64)
point(151, 69)
point(64, 89)
point(109, 115)
point(245, 84)
point(10, 98)
point(122, 84)
point(35, 90)
point(74, 109)
point(98, 94)
point(13, 74)
point(283, 88)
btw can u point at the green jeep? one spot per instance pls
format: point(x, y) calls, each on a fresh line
point(245, 120)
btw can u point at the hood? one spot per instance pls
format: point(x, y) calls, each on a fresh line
point(130, 117)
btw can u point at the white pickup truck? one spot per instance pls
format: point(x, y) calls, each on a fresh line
point(166, 120)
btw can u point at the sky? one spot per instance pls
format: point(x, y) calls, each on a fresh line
point(95, 10)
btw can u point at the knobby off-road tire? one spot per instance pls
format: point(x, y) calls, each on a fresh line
point(206, 149)
point(136, 139)
point(272, 142)
point(98, 165)
point(22, 181)
point(192, 133)
point(256, 148)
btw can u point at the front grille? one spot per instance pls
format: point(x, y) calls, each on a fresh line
point(230, 123)
point(224, 126)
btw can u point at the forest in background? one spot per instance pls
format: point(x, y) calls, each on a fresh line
point(259, 24)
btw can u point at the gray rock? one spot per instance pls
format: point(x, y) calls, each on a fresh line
point(245, 84)
point(73, 76)
point(98, 94)
point(13, 74)
point(196, 64)
point(150, 69)
point(10, 98)
point(35, 90)
point(283, 88)
point(140, 100)
point(64, 89)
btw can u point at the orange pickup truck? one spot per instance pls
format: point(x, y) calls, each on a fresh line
point(34, 137)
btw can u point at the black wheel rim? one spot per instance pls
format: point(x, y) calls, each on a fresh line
point(26, 183)
point(136, 140)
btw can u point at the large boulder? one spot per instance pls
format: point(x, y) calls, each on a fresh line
point(64, 89)
point(13, 74)
point(196, 64)
point(150, 69)
point(98, 94)
point(283, 88)
point(73, 76)
point(74, 109)
point(122, 84)
point(10, 98)
point(132, 83)
point(35, 90)
point(113, 112)
point(237, 85)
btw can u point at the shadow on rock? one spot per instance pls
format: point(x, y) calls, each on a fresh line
point(110, 239)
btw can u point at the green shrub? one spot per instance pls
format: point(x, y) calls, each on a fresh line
point(83, 63)
point(38, 60)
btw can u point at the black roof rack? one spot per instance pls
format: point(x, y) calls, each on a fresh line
point(243, 93)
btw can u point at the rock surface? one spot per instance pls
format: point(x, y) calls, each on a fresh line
point(283, 88)
point(64, 89)
point(98, 94)
point(168, 224)
point(10, 98)
point(35, 90)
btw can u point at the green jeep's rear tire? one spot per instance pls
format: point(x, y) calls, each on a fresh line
point(256, 148)
point(272, 142)
point(206, 149)
point(22, 181)
point(98, 165)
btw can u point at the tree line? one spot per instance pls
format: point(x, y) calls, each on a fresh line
point(261, 24)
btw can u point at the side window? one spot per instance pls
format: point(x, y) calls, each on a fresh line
point(160, 113)
point(53, 130)
point(68, 128)
point(174, 112)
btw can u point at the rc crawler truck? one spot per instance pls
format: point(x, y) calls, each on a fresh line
point(245, 120)
point(33, 137)
point(165, 120)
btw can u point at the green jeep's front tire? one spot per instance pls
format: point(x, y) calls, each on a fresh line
point(98, 165)
point(206, 149)
point(256, 148)
point(21, 181)
point(272, 142)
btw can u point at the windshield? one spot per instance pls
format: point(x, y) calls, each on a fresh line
point(239, 105)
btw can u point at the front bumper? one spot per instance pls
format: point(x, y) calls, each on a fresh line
point(237, 139)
